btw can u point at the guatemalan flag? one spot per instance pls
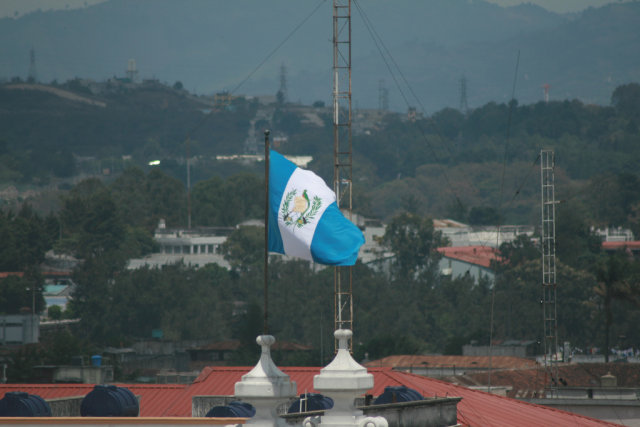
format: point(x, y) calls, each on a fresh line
point(304, 218)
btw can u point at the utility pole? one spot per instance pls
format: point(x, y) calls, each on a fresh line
point(548, 241)
point(342, 153)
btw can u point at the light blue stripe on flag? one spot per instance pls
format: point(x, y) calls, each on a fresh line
point(304, 219)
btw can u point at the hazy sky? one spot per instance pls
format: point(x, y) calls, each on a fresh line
point(10, 7)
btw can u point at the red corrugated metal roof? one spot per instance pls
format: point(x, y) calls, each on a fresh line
point(476, 408)
point(154, 398)
point(5, 274)
point(477, 255)
point(612, 246)
point(497, 362)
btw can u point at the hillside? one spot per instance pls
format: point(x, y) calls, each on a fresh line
point(213, 45)
point(436, 165)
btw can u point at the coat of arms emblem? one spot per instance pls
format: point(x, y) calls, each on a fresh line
point(302, 211)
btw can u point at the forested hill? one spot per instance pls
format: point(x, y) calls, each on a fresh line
point(213, 45)
point(440, 165)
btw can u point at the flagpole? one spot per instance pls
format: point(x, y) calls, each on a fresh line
point(266, 231)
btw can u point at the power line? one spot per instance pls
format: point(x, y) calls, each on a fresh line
point(382, 49)
point(270, 54)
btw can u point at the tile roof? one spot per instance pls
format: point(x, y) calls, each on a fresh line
point(529, 383)
point(5, 274)
point(476, 362)
point(477, 255)
point(476, 408)
point(153, 397)
point(612, 246)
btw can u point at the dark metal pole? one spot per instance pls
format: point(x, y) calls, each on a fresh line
point(266, 231)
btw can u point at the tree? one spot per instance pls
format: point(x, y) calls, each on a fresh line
point(54, 312)
point(244, 248)
point(484, 215)
point(626, 98)
point(413, 241)
point(613, 273)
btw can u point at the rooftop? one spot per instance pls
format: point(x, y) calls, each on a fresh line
point(477, 362)
point(529, 383)
point(477, 408)
point(477, 255)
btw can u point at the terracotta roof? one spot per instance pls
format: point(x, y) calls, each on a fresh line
point(477, 255)
point(5, 274)
point(529, 383)
point(153, 397)
point(479, 362)
point(476, 408)
point(612, 246)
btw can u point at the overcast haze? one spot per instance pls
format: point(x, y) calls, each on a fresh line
point(10, 7)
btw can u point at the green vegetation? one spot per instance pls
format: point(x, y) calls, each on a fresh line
point(448, 165)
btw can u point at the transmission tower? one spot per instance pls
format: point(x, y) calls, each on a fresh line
point(383, 96)
point(132, 71)
point(464, 107)
point(283, 83)
point(545, 89)
point(548, 241)
point(32, 76)
point(342, 159)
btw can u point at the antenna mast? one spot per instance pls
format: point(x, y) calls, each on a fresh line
point(548, 240)
point(464, 106)
point(32, 76)
point(342, 171)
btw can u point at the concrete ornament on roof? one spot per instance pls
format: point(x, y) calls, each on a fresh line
point(265, 387)
point(343, 380)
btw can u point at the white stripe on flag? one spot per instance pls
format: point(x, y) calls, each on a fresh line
point(298, 220)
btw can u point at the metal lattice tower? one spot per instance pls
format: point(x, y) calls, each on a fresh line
point(464, 107)
point(383, 96)
point(548, 241)
point(283, 82)
point(132, 70)
point(342, 158)
point(32, 76)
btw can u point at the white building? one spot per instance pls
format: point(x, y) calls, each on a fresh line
point(196, 247)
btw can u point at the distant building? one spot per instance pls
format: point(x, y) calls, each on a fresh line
point(631, 247)
point(606, 391)
point(19, 329)
point(474, 261)
point(196, 247)
point(460, 234)
point(613, 234)
point(512, 348)
point(437, 366)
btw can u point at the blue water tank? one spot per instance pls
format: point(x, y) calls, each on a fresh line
point(21, 404)
point(109, 401)
point(397, 394)
point(310, 402)
point(96, 360)
point(234, 409)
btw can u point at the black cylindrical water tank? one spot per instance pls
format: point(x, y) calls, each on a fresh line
point(234, 409)
point(397, 394)
point(109, 401)
point(310, 402)
point(21, 404)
